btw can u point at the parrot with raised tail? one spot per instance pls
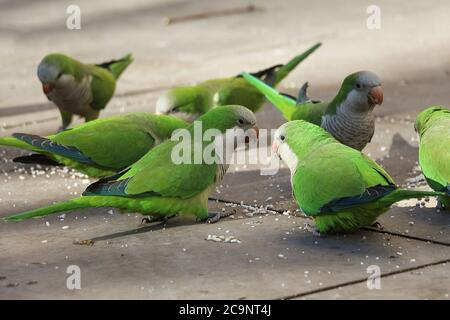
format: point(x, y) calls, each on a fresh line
point(78, 88)
point(348, 116)
point(433, 127)
point(98, 148)
point(159, 187)
point(192, 101)
point(340, 187)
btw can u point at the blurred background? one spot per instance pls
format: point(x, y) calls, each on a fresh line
point(207, 39)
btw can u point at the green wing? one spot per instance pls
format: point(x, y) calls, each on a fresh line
point(310, 111)
point(110, 142)
point(103, 85)
point(240, 92)
point(335, 172)
point(434, 154)
point(157, 172)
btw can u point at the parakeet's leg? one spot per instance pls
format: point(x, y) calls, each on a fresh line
point(146, 220)
point(377, 225)
point(213, 217)
point(312, 229)
point(66, 119)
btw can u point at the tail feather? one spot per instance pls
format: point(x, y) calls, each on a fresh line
point(117, 66)
point(405, 194)
point(285, 104)
point(283, 72)
point(77, 203)
point(17, 143)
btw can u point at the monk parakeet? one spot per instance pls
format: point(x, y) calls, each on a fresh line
point(158, 186)
point(340, 187)
point(433, 127)
point(79, 88)
point(348, 117)
point(192, 101)
point(101, 147)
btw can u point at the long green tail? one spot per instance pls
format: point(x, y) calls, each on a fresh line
point(291, 65)
point(17, 143)
point(77, 203)
point(118, 66)
point(405, 194)
point(284, 104)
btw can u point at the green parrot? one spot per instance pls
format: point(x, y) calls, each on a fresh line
point(340, 187)
point(158, 186)
point(78, 88)
point(192, 101)
point(433, 128)
point(101, 147)
point(348, 117)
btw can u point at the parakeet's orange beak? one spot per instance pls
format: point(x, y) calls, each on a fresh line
point(247, 138)
point(47, 87)
point(375, 96)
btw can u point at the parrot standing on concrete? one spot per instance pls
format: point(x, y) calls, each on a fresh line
point(433, 128)
point(348, 117)
point(101, 147)
point(156, 185)
point(340, 187)
point(192, 101)
point(78, 88)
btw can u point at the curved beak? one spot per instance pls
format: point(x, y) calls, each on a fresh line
point(375, 96)
point(256, 130)
point(47, 87)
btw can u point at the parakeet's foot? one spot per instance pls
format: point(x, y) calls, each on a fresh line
point(312, 229)
point(146, 220)
point(377, 225)
point(441, 206)
point(87, 242)
point(213, 217)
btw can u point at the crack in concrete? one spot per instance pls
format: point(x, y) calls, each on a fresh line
point(362, 280)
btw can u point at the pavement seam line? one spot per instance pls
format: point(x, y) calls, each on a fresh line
point(361, 280)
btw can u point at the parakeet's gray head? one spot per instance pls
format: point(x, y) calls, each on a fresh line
point(360, 92)
point(186, 103)
point(54, 70)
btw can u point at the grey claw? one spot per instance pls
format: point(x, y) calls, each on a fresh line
point(312, 229)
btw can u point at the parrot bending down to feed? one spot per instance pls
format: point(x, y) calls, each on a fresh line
point(156, 185)
point(348, 117)
point(433, 128)
point(192, 101)
point(79, 88)
point(340, 187)
point(101, 147)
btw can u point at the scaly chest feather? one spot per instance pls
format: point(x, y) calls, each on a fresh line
point(71, 95)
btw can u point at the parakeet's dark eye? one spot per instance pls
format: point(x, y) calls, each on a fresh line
point(240, 121)
point(176, 109)
point(282, 138)
point(358, 86)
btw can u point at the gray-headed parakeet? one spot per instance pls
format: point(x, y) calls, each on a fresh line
point(348, 117)
point(340, 187)
point(158, 186)
point(79, 88)
point(192, 101)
